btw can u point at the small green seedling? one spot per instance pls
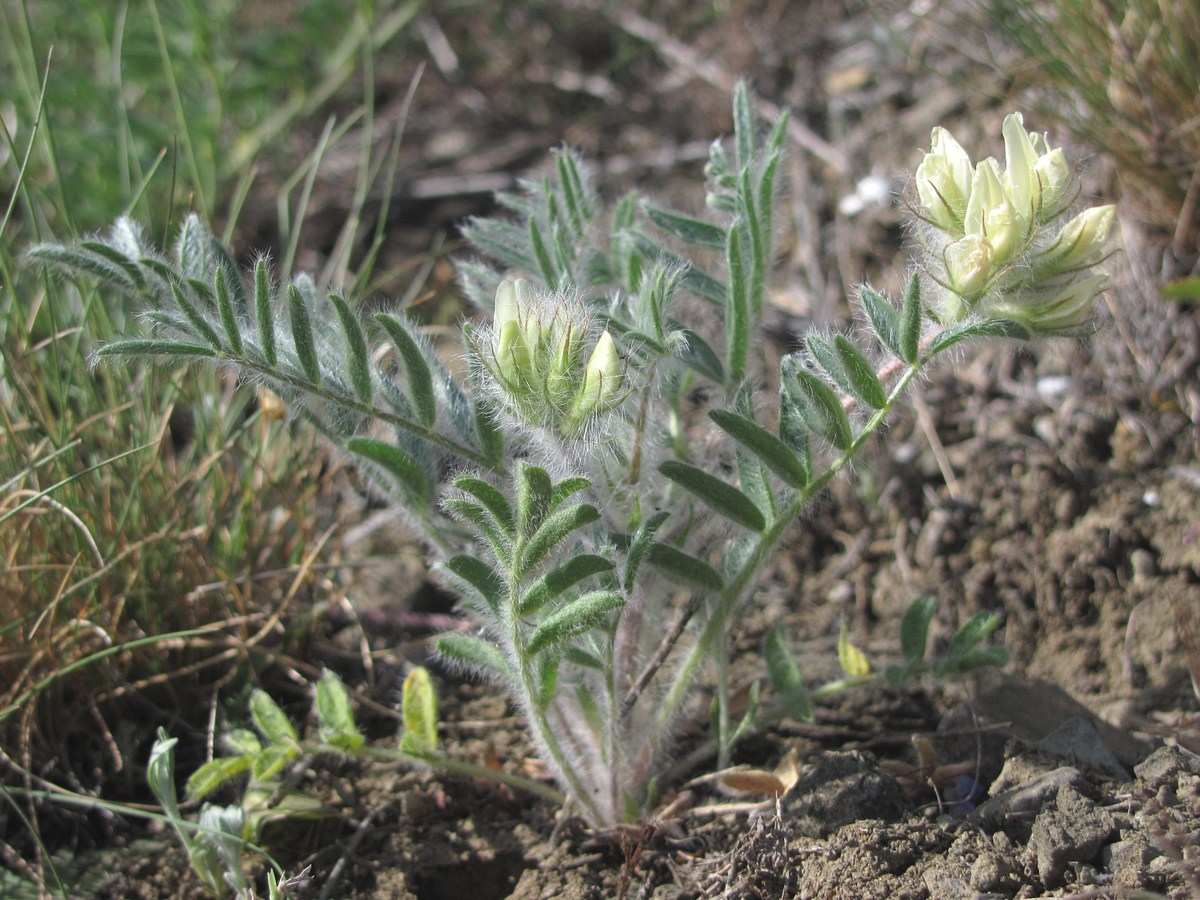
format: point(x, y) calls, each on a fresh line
point(964, 652)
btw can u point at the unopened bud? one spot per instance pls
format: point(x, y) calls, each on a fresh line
point(969, 265)
point(1081, 241)
point(944, 181)
point(602, 381)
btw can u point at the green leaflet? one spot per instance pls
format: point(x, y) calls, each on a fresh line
point(486, 527)
point(271, 761)
point(820, 408)
point(694, 231)
point(914, 629)
point(214, 773)
point(1003, 328)
point(356, 346)
point(302, 335)
point(785, 675)
point(490, 496)
point(271, 720)
point(862, 382)
point(683, 568)
point(419, 713)
point(263, 314)
point(572, 619)
point(640, 544)
point(553, 530)
point(773, 452)
point(398, 463)
point(847, 368)
point(737, 304)
point(226, 311)
point(912, 315)
point(721, 497)
point(336, 713)
point(884, 319)
point(416, 369)
point(150, 347)
point(475, 653)
point(483, 578)
point(563, 576)
point(535, 494)
point(192, 248)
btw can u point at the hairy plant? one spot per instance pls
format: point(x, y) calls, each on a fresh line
point(607, 485)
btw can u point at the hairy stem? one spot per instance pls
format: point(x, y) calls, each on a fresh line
point(731, 598)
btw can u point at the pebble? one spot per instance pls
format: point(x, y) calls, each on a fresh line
point(1165, 764)
point(1077, 740)
point(1071, 831)
point(1031, 795)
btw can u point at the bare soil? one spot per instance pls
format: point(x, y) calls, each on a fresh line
point(1058, 486)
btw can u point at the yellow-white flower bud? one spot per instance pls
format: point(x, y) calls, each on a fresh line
point(1064, 313)
point(944, 181)
point(1053, 179)
point(991, 215)
point(511, 354)
point(534, 357)
point(507, 308)
point(1081, 241)
point(601, 388)
point(1020, 162)
point(968, 264)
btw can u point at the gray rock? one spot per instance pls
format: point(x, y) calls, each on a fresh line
point(1072, 831)
point(841, 788)
point(1076, 740)
point(1165, 764)
point(1031, 796)
point(989, 872)
point(1128, 859)
point(949, 880)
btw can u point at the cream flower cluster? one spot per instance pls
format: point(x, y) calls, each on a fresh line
point(1001, 243)
point(535, 358)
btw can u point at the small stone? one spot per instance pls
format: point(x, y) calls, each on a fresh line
point(989, 872)
point(1073, 831)
point(1128, 859)
point(949, 881)
point(1164, 765)
point(1144, 565)
point(1077, 740)
point(1033, 795)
